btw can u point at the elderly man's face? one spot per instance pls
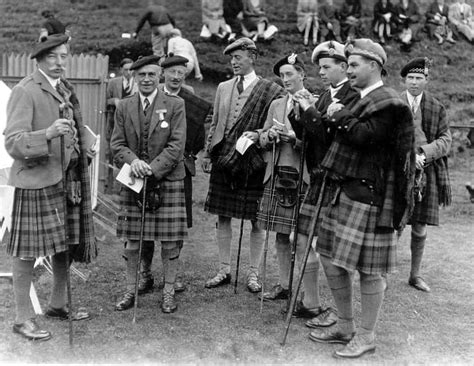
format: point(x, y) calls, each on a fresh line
point(174, 77)
point(148, 77)
point(241, 62)
point(53, 63)
point(360, 71)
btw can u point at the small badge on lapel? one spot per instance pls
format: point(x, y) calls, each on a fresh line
point(161, 117)
point(164, 124)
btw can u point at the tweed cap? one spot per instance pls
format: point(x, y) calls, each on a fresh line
point(143, 61)
point(173, 60)
point(243, 43)
point(367, 48)
point(329, 49)
point(47, 44)
point(419, 65)
point(292, 59)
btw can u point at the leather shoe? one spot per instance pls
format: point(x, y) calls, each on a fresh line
point(357, 347)
point(276, 293)
point(145, 285)
point(128, 300)
point(169, 304)
point(419, 283)
point(325, 319)
point(253, 284)
point(302, 311)
point(63, 314)
point(220, 279)
point(330, 335)
point(30, 330)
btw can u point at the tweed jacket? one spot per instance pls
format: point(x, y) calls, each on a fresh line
point(166, 139)
point(115, 89)
point(33, 106)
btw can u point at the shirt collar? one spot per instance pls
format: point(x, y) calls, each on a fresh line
point(150, 97)
point(412, 99)
point(53, 82)
point(335, 89)
point(370, 88)
point(249, 78)
point(125, 82)
point(165, 89)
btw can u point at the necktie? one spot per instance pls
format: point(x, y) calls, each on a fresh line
point(146, 105)
point(414, 106)
point(240, 84)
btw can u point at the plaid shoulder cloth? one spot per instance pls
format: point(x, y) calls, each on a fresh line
point(87, 248)
point(252, 117)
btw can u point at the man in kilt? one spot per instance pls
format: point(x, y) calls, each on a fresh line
point(150, 135)
point(42, 110)
point(236, 182)
point(432, 143)
point(332, 62)
point(369, 170)
point(277, 210)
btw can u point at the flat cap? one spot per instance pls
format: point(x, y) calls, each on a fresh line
point(419, 65)
point(172, 60)
point(243, 43)
point(292, 59)
point(329, 49)
point(367, 48)
point(147, 60)
point(48, 43)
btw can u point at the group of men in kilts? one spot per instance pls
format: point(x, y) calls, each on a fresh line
point(367, 159)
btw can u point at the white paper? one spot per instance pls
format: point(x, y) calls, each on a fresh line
point(126, 35)
point(243, 143)
point(126, 177)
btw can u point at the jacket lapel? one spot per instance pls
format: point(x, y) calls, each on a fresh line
point(160, 104)
point(46, 86)
point(134, 113)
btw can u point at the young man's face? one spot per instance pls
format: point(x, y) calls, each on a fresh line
point(148, 77)
point(330, 71)
point(241, 62)
point(174, 77)
point(415, 83)
point(292, 78)
point(359, 71)
point(126, 73)
point(53, 63)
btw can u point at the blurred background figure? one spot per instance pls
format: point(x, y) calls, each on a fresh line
point(383, 20)
point(307, 20)
point(255, 24)
point(233, 15)
point(437, 22)
point(179, 46)
point(51, 25)
point(460, 15)
point(407, 17)
point(329, 22)
point(160, 22)
point(349, 16)
point(213, 20)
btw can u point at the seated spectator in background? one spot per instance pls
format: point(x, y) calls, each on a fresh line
point(51, 25)
point(329, 22)
point(437, 22)
point(460, 15)
point(179, 46)
point(160, 22)
point(213, 19)
point(407, 17)
point(349, 16)
point(307, 20)
point(233, 15)
point(255, 24)
point(383, 19)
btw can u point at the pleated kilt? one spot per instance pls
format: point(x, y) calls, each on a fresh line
point(348, 236)
point(238, 202)
point(427, 211)
point(38, 223)
point(168, 223)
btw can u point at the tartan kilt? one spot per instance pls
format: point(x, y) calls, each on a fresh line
point(37, 222)
point(348, 236)
point(238, 203)
point(168, 223)
point(427, 211)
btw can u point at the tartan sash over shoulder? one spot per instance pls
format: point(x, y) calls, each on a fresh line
point(87, 248)
point(252, 117)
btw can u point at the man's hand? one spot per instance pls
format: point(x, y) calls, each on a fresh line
point(289, 137)
point(140, 168)
point(273, 134)
point(305, 99)
point(251, 135)
point(206, 165)
point(59, 127)
point(420, 161)
point(333, 108)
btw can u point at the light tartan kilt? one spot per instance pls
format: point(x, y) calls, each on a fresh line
point(168, 223)
point(38, 223)
point(348, 236)
point(237, 203)
point(427, 211)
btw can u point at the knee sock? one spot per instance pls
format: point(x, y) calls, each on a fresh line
point(131, 257)
point(148, 251)
point(58, 297)
point(170, 273)
point(224, 239)
point(372, 288)
point(22, 277)
point(311, 274)
point(256, 247)
point(417, 247)
point(283, 250)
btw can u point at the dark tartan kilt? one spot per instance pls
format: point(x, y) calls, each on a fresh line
point(348, 236)
point(238, 202)
point(427, 211)
point(168, 223)
point(38, 223)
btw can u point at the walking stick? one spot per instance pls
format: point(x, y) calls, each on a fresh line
point(297, 219)
point(313, 222)
point(267, 228)
point(140, 248)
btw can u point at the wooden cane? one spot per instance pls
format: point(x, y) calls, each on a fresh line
point(140, 248)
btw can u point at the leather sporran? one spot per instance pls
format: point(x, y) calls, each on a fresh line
point(286, 188)
point(153, 197)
